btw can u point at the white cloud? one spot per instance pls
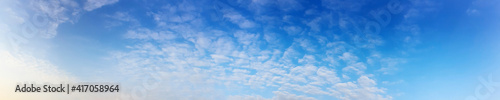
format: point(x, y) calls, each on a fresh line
point(306, 44)
point(390, 65)
point(346, 77)
point(146, 34)
point(357, 68)
point(364, 89)
point(352, 64)
point(288, 96)
point(272, 38)
point(181, 13)
point(289, 5)
point(309, 89)
point(173, 57)
point(419, 8)
point(293, 30)
point(329, 75)
point(246, 38)
point(290, 54)
point(195, 56)
point(278, 95)
point(120, 18)
point(247, 97)
point(263, 6)
point(314, 24)
point(303, 70)
point(42, 17)
point(348, 57)
point(238, 19)
point(33, 19)
point(223, 46)
point(268, 74)
point(94, 4)
point(220, 58)
point(307, 59)
point(197, 60)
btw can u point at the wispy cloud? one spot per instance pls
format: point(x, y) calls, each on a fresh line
point(238, 19)
point(94, 4)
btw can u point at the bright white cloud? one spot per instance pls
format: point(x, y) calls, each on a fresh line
point(363, 89)
point(329, 75)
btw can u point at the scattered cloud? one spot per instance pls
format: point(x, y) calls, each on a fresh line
point(239, 20)
point(146, 34)
point(197, 57)
point(363, 89)
point(288, 96)
point(278, 95)
point(121, 18)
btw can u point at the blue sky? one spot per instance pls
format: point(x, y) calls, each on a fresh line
point(256, 49)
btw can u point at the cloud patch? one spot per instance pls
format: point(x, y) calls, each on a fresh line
point(94, 4)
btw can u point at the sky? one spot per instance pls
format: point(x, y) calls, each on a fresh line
point(254, 49)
